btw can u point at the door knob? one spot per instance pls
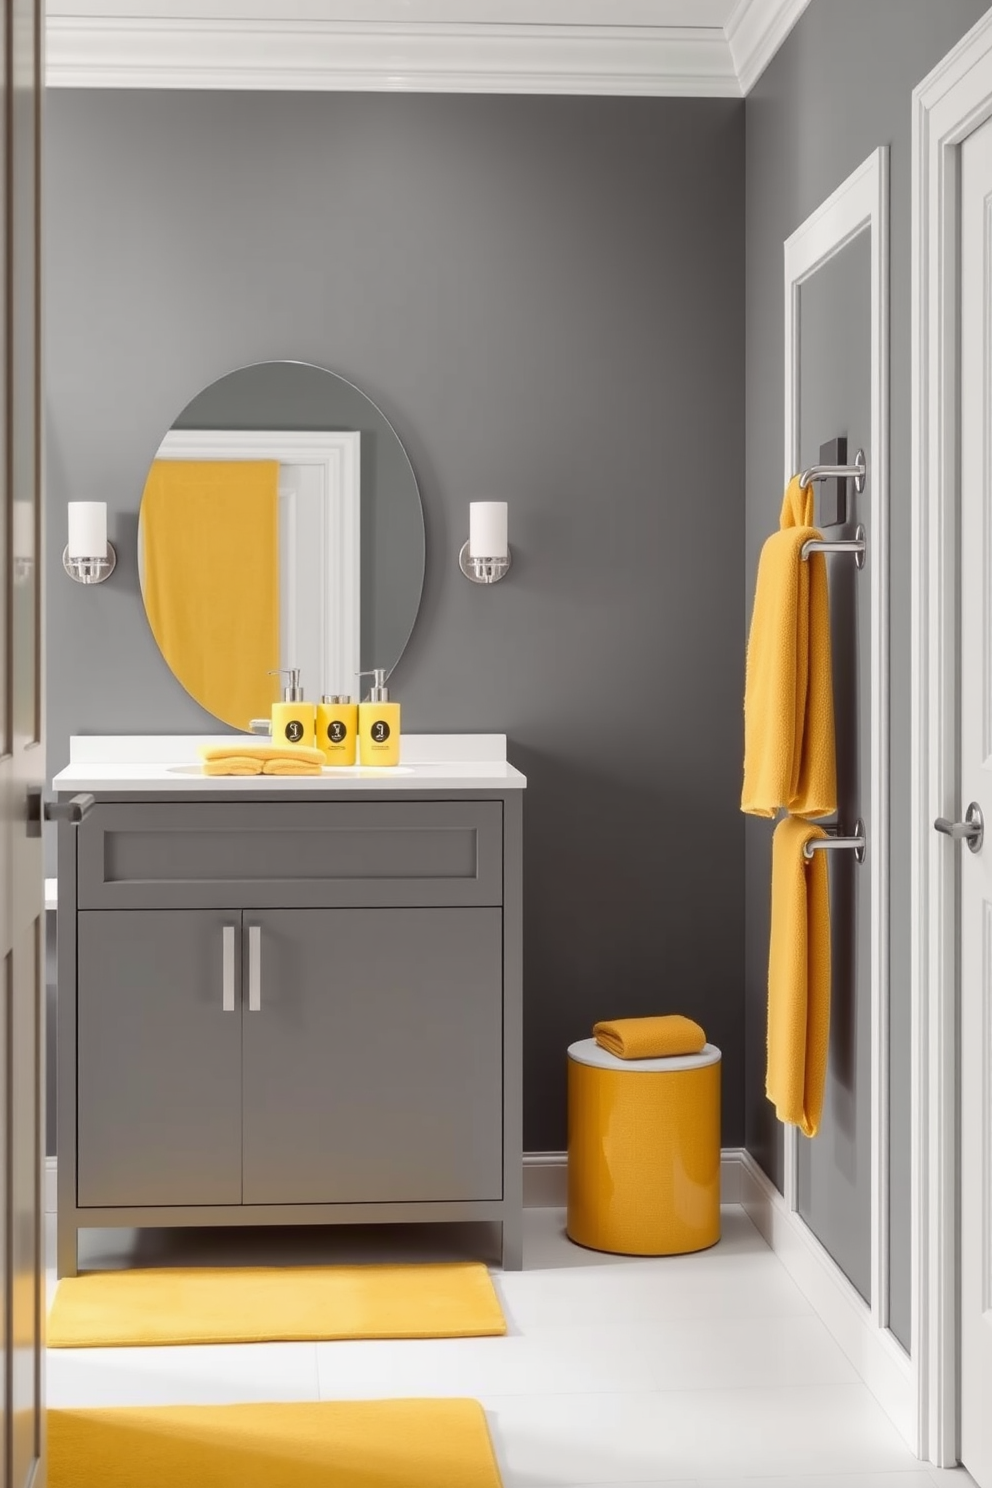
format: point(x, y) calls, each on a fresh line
point(971, 830)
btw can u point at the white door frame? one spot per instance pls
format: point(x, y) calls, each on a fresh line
point(952, 102)
point(860, 204)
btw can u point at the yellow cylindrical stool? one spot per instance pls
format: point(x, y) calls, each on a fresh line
point(643, 1151)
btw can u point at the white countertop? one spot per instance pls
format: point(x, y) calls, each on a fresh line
point(144, 762)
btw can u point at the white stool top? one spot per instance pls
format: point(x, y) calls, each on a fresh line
point(587, 1051)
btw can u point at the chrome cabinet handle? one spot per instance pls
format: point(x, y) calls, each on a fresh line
point(971, 830)
point(254, 968)
point(228, 996)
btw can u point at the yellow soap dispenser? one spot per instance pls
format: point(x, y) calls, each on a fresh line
point(378, 724)
point(293, 720)
point(337, 729)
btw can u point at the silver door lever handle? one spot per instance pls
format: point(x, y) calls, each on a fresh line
point(971, 830)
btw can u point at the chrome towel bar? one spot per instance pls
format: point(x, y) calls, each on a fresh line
point(856, 472)
point(856, 545)
point(858, 843)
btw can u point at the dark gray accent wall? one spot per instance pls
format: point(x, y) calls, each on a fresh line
point(545, 296)
point(840, 86)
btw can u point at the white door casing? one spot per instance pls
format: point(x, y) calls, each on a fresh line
point(976, 785)
point(860, 205)
point(319, 541)
point(953, 101)
point(22, 768)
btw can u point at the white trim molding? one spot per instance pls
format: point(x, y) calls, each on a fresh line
point(876, 1353)
point(686, 48)
point(953, 101)
point(129, 51)
point(755, 31)
point(546, 1178)
point(860, 204)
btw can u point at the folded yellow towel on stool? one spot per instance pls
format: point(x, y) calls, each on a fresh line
point(241, 758)
point(798, 977)
point(650, 1038)
point(789, 745)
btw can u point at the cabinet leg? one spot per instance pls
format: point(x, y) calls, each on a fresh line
point(67, 1249)
point(513, 1243)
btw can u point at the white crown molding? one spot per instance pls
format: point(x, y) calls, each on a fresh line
point(316, 55)
point(755, 31)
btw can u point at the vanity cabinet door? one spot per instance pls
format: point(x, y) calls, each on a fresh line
point(159, 1057)
point(373, 1060)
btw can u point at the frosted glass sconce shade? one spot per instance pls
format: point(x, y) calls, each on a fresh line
point(88, 557)
point(485, 558)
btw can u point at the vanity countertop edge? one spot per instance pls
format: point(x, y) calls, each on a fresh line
point(170, 763)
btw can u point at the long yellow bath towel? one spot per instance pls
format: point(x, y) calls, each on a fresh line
point(798, 977)
point(210, 579)
point(789, 745)
point(243, 758)
point(650, 1038)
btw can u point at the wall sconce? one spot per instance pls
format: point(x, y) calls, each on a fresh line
point(88, 557)
point(485, 558)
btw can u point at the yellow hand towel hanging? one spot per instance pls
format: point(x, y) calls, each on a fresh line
point(789, 744)
point(798, 977)
point(211, 579)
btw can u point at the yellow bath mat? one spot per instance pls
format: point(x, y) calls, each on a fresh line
point(106, 1309)
point(331, 1444)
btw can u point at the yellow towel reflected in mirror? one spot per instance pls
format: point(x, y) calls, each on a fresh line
point(210, 555)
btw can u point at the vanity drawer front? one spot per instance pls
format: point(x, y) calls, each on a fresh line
point(291, 855)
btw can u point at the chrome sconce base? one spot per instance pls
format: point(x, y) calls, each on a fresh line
point(483, 570)
point(90, 570)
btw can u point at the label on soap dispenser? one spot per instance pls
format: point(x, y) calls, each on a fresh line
point(380, 731)
point(294, 731)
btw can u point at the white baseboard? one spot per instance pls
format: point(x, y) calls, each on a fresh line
point(876, 1353)
point(546, 1178)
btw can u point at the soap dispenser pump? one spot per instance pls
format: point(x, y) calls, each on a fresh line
point(378, 723)
point(293, 720)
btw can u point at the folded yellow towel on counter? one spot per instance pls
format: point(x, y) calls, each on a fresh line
point(233, 764)
point(798, 977)
point(789, 744)
point(293, 766)
point(241, 757)
point(650, 1038)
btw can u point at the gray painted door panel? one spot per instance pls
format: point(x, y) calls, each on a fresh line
point(373, 1068)
point(159, 1059)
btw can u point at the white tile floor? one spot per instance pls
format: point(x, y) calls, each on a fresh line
point(708, 1369)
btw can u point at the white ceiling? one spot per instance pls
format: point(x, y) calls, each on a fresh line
point(633, 47)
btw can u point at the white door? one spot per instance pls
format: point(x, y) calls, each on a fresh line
point(976, 787)
point(22, 765)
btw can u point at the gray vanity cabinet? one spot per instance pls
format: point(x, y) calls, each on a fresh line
point(159, 1060)
point(289, 1011)
point(373, 1064)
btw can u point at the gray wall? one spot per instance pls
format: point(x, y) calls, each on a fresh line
point(840, 86)
point(546, 298)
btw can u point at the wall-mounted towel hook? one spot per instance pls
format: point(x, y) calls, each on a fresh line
point(858, 843)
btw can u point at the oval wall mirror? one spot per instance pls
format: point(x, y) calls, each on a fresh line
point(280, 527)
